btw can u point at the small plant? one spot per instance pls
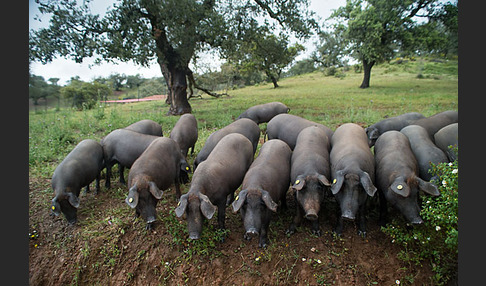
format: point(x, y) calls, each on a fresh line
point(437, 239)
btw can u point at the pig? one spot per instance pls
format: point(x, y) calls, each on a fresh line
point(123, 146)
point(244, 126)
point(433, 123)
point(214, 180)
point(392, 123)
point(265, 185)
point(397, 177)
point(287, 127)
point(424, 150)
point(78, 169)
point(264, 112)
point(353, 173)
point(310, 170)
point(146, 126)
point(448, 136)
point(185, 133)
point(157, 168)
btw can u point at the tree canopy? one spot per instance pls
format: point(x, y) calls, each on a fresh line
point(375, 30)
point(171, 32)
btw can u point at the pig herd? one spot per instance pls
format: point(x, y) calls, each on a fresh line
point(391, 157)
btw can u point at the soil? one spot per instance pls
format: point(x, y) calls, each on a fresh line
point(107, 246)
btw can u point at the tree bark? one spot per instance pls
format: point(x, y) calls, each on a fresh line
point(367, 65)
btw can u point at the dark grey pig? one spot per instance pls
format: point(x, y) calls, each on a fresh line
point(424, 150)
point(309, 174)
point(154, 171)
point(397, 177)
point(185, 133)
point(214, 180)
point(123, 146)
point(264, 186)
point(433, 123)
point(392, 123)
point(264, 112)
point(287, 127)
point(146, 126)
point(448, 136)
point(353, 173)
point(244, 126)
point(78, 169)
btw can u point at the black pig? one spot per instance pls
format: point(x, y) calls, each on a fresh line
point(146, 126)
point(392, 123)
point(243, 126)
point(123, 146)
point(309, 173)
point(287, 127)
point(214, 180)
point(397, 177)
point(185, 133)
point(265, 184)
point(154, 171)
point(353, 173)
point(264, 112)
point(78, 169)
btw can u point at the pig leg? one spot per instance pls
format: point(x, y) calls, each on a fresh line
point(98, 178)
point(264, 231)
point(315, 227)
point(178, 189)
point(108, 175)
point(122, 171)
point(221, 217)
point(361, 220)
point(297, 220)
point(339, 226)
point(383, 210)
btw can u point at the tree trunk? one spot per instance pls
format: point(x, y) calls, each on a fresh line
point(274, 81)
point(178, 88)
point(367, 73)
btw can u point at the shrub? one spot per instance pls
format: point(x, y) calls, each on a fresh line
point(437, 239)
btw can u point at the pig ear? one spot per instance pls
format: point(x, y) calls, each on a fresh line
point(400, 187)
point(181, 205)
point(299, 183)
point(367, 184)
point(184, 166)
point(268, 201)
point(337, 182)
point(73, 200)
point(132, 199)
point(239, 200)
point(55, 206)
point(154, 190)
point(428, 187)
point(324, 180)
point(207, 208)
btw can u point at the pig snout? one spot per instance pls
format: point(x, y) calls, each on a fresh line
point(251, 232)
point(311, 214)
point(194, 235)
point(348, 215)
point(417, 220)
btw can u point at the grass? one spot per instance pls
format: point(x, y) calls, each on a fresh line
point(332, 101)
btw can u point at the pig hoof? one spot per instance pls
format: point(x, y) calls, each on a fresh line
point(362, 234)
point(149, 226)
point(317, 232)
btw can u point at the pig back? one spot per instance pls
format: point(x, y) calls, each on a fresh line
point(287, 127)
point(125, 146)
point(160, 162)
point(435, 122)
point(80, 167)
point(224, 169)
point(311, 153)
point(393, 157)
point(185, 132)
point(271, 169)
point(146, 126)
point(350, 150)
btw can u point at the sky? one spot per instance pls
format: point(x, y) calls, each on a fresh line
point(64, 69)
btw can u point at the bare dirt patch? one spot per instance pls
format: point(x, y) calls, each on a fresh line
point(109, 247)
